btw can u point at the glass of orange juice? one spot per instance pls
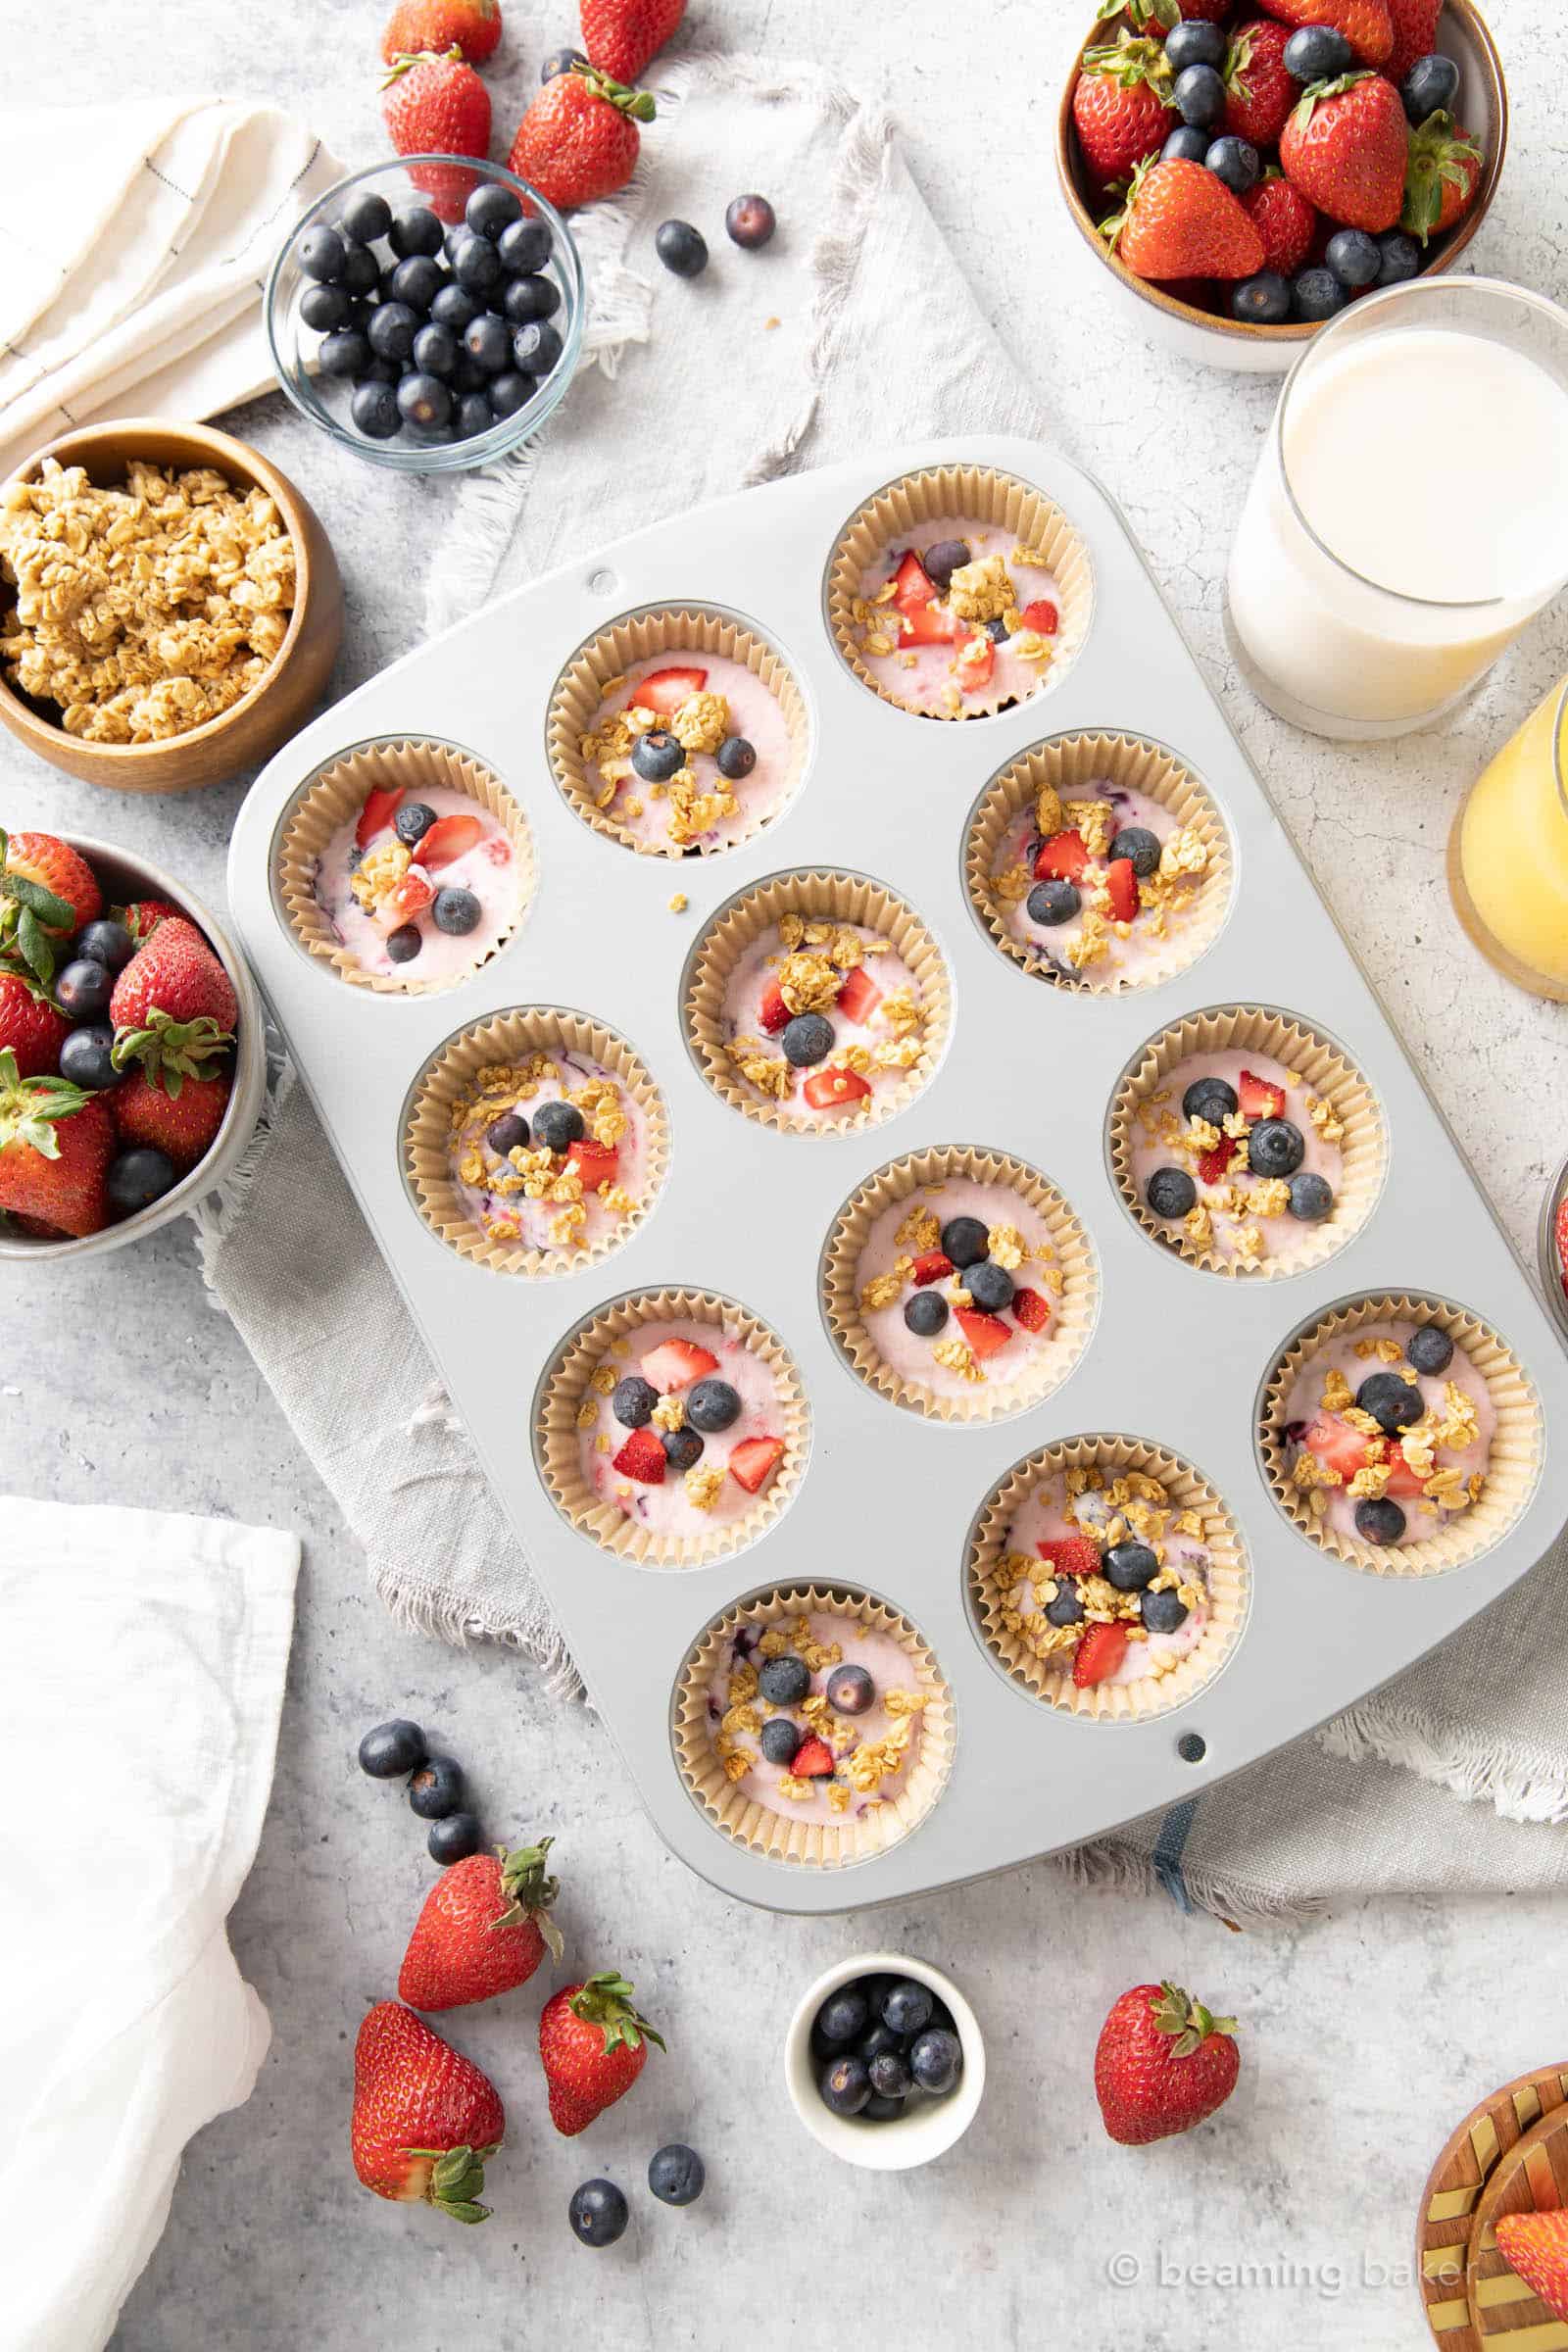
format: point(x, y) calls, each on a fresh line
point(1508, 854)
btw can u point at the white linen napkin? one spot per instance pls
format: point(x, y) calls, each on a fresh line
point(141, 1677)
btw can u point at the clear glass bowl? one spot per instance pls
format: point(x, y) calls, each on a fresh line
point(325, 400)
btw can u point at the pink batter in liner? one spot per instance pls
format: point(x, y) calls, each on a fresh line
point(925, 677)
point(666, 1509)
point(743, 1019)
point(1158, 1129)
point(489, 870)
point(890, 1667)
point(644, 809)
point(1044, 1517)
point(507, 1213)
point(1304, 1409)
point(1146, 948)
point(904, 1351)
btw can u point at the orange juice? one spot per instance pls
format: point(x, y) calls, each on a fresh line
point(1508, 854)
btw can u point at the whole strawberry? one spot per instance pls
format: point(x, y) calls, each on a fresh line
point(173, 1007)
point(425, 2120)
point(1162, 2064)
point(1535, 2246)
point(416, 26)
point(142, 917)
point(1345, 146)
point(1121, 106)
point(1156, 18)
point(1180, 221)
point(1415, 34)
point(593, 2045)
point(56, 1144)
point(32, 1024)
point(1365, 23)
point(1258, 91)
point(484, 1928)
point(579, 137)
point(437, 106)
point(1442, 171)
point(620, 36)
point(172, 1112)
point(47, 891)
point(1283, 220)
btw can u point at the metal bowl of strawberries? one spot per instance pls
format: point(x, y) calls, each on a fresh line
point(1241, 170)
point(132, 1062)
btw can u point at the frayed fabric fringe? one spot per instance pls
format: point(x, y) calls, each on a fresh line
point(1122, 1869)
point(418, 1609)
point(1519, 1785)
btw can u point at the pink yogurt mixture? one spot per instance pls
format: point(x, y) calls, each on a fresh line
point(1304, 1402)
point(667, 1510)
point(743, 997)
point(1043, 1518)
point(536, 1218)
point(1148, 1153)
point(902, 1350)
point(754, 713)
point(884, 1660)
point(1128, 959)
point(489, 869)
point(924, 685)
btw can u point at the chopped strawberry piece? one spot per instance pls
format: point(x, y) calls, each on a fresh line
point(827, 1090)
point(376, 814)
point(665, 690)
point(1122, 884)
point(595, 1163)
point(1099, 1654)
point(1031, 1311)
point(448, 837)
point(912, 584)
point(498, 849)
point(773, 1013)
point(812, 1760)
point(1340, 1448)
point(1042, 616)
point(753, 1461)
point(1063, 859)
point(1259, 1098)
point(676, 1363)
point(410, 895)
point(927, 624)
point(984, 1333)
point(930, 1266)
point(859, 995)
point(1214, 1166)
point(642, 1457)
point(1070, 1556)
point(1403, 1484)
point(975, 664)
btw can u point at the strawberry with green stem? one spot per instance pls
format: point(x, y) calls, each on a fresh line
point(173, 1007)
point(1162, 2064)
point(425, 2120)
point(55, 1143)
point(1177, 221)
point(47, 891)
point(593, 2045)
point(1442, 172)
point(579, 139)
point(1121, 106)
point(1345, 146)
point(31, 1023)
point(483, 1931)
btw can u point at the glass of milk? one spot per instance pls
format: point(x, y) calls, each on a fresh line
point(1409, 511)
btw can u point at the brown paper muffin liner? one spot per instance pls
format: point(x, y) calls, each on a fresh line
point(510, 1037)
point(1229, 1582)
point(337, 792)
point(820, 895)
point(1075, 1305)
point(565, 1386)
point(1323, 1070)
point(989, 496)
point(1512, 1466)
point(670, 629)
point(816, 1844)
point(1068, 764)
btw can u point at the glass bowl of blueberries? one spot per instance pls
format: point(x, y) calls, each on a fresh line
point(427, 313)
point(884, 2062)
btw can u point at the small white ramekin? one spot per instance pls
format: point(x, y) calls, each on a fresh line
point(933, 2124)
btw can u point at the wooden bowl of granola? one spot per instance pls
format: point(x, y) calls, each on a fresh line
point(115, 703)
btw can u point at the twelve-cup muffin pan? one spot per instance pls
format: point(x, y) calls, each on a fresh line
point(1172, 1364)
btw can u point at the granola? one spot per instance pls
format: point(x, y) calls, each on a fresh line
point(1094, 887)
point(864, 1009)
point(957, 1286)
point(688, 754)
point(566, 1182)
point(1227, 1155)
point(1392, 1428)
point(957, 618)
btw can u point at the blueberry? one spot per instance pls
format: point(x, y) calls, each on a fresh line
point(1263, 300)
point(681, 248)
point(1162, 1612)
point(1312, 1197)
point(597, 2213)
point(880, 2039)
point(137, 1178)
point(455, 309)
point(683, 1448)
point(1275, 1147)
point(890, 2075)
point(749, 222)
point(535, 348)
point(1198, 95)
point(510, 1133)
point(736, 757)
point(416, 281)
point(475, 264)
point(321, 254)
point(1068, 1608)
point(1184, 145)
point(559, 61)
point(391, 330)
point(455, 1838)
point(392, 1749)
point(925, 1313)
point(1130, 1566)
point(327, 307)
point(936, 2057)
point(1432, 81)
point(405, 943)
point(529, 298)
point(632, 1400)
point(1171, 1192)
point(1354, 257)
point(906, 2006)
point(557, 1125)
point(456, 912)
point(1430, 1351)
point(1400, 257)
point(1394, 1404)
point(850, 1690)
point(436, 1789)
point(1195, 44)
point(1235, 162)
point(361, 271)
point(365, 216)
point(435, 350)
point(989, 1285)
point(658, 756)
point(86, 1058)
point(675, 2174)
point(845, 2085)
point(779, 1739)
point(525, 247)
point(1317, 294)
point(713, 1405)
point(1379, 1520)
point(1317, 53)
point(490, 209)
point(808, 1039)
point(1210, 1099)
point(383, 372)
point(998, 631)
point(414, 229)
point(784, 1681)
point(345, 354)
point(374, 411)
point(83, 988)
point(413, 822)
point(424, 400)
point(879, 2109)
point(108, 942)
point(509, 392)
point(965, 1240)
point(1053, 902)
point(942, 559)
point(473, 415)
point(488, 344)
point(842, 2015)
point(1140, 847)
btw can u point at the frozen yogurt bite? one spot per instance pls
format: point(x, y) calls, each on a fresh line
point(1233, 1152)
point(550, 1150)
point(955, 617)
point(1096, 886)
point(681, 1428)
point(421, 886)
point(957, 1287)
point(821, 1017)
point(687, 751)
point(1388, 1433)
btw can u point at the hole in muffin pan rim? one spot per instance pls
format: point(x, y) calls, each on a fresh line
point(893, 807)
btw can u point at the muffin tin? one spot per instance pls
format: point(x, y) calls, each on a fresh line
point(886, 1501)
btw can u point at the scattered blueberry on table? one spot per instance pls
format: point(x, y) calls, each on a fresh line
point(677, 2174)
point(597, 2212)
point(750, 222)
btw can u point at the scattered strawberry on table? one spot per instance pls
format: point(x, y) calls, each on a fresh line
point(435, 104)
point(1162, 2064)
point(579, 137)
point(425, 2120)
point(593, 2045)
point(472, 26)
point(483, 1931)
point(1535, 2246)
point(622, 36)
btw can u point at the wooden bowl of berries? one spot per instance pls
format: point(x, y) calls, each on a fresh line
point(131, 1057)
point(1244, 169)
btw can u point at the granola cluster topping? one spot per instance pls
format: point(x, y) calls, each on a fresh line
point(1097, 1570)
point(1101, 899)
point(568, 1183)
point(827, 967)
point(146, 611)
point(944, 599)
point(797, 1698)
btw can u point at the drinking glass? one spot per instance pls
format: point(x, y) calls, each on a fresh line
point(1508, 854)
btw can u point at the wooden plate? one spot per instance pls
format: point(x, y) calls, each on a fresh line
point(1532, 2177)
point(1451, 2198)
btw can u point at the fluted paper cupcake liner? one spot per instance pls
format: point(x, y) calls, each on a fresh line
point(899, 509)
point(438, 1092)
point(1229, 1582)
point(1068, 764)
point(818, 896)
point(1074, 1307)
point(337, 793)
point(565, 1386)
point(1513, 1462)
point(670, 629)
point(1323, 1070)
point(816, 1844)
